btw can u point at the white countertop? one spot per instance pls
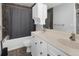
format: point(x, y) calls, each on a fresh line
point(56, 37)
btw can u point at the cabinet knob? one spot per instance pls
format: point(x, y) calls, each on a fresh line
point(36, 43)
point(41, 42)
point(41, 53)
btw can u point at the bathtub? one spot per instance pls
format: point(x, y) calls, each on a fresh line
point(17, 43)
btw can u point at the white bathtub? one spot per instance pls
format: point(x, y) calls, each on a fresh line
point(17, 43)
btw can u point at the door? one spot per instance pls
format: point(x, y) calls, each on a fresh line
point(77, 18)
point(49, 20)
point(77, 24)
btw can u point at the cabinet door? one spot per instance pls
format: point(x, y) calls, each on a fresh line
point(43, 47)
point(33, 47)
point(38, 47)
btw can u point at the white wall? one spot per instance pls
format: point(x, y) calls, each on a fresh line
point(63, 17)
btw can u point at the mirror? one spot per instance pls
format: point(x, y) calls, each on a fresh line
point(60, 18)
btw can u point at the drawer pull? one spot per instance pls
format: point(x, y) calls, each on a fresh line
point(35, 43)
point(41, 42)
point(41, 53)
point(48, 54)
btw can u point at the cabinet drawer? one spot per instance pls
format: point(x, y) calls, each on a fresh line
point(41, 42)
point(39, 47)
point(55, 51)
point(43, 47)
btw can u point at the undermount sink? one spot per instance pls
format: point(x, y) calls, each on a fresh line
point(69, 43)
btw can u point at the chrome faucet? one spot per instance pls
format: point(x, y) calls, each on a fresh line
point(72, 37)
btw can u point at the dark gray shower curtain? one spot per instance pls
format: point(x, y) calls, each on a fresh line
point(20, 21)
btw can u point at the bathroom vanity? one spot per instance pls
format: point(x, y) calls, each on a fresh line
point(40, 47)
point(47, 43)
point(53, 43)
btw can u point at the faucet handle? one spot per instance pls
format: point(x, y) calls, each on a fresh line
point(72, 37)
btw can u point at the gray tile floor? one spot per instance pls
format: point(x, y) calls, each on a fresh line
point(19, 52)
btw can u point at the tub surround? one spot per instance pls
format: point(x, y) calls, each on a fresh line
point(60, 40)
point(17, 43)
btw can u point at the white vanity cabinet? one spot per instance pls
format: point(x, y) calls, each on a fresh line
point(38, 47)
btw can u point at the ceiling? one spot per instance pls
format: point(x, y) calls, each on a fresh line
point(26, 4)
point(49, 5)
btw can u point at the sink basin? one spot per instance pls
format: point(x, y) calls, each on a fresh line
point(69, 43)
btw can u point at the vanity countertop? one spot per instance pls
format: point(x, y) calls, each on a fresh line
point(60, 40)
